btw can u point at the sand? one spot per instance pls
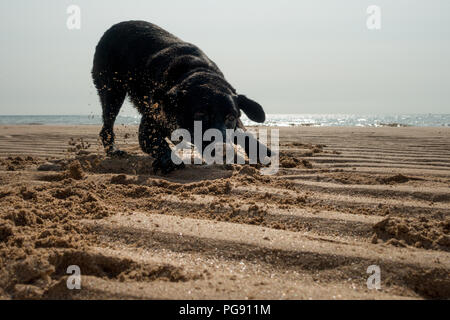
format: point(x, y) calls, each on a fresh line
point(344, 199)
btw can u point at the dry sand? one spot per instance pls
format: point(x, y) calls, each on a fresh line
point(345, 199)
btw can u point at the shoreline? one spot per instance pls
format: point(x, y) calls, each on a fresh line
point(272, 120)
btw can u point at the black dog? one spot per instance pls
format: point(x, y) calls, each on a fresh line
point(172, 84)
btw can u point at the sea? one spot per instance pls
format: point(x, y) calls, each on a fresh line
point(280, 120)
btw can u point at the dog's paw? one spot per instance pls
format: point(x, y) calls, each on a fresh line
point(166, 165)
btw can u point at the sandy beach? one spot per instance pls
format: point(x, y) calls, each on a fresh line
point(345, 198)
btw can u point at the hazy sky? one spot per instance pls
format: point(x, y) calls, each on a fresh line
point(310, 56)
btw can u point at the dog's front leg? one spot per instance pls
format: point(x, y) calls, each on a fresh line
point(152, 141)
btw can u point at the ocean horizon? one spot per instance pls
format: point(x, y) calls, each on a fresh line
point(276, 120)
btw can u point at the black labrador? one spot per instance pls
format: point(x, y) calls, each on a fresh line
point(172, 83)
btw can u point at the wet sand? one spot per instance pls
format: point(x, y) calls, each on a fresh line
point(344, 199)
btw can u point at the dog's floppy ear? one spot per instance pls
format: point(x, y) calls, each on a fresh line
point(251, 108)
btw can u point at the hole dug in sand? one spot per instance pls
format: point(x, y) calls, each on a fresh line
point(78, 167)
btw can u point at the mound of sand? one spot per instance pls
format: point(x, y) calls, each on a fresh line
point(287, 161)
point(419, 232)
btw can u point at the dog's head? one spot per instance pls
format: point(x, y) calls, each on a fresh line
point(215, 108)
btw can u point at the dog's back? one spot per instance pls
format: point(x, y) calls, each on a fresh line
point(141, 55)
point(127, 46)
point(142, 59)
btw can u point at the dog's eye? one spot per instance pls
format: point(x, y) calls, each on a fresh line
point(231, 118)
